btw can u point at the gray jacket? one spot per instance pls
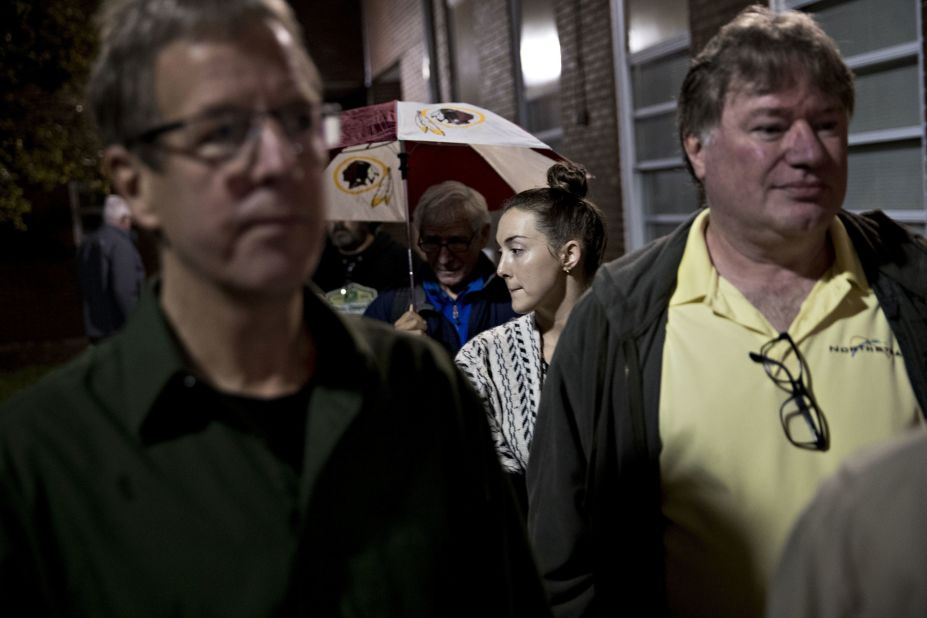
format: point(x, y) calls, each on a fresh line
point(111, 279)
point(594, 476)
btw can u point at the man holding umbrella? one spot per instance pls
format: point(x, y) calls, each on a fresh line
point(459, 296)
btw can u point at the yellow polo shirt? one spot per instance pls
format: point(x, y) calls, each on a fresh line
point(732, 482)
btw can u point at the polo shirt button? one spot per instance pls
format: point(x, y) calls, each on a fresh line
point(189, 381)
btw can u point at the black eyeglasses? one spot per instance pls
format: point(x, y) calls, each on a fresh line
point(454, 244)
point(223, 135)
point(800, 405)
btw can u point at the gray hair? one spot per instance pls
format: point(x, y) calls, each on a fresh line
point(444, 203)
point(114, 209)
point(759, 50)
point(121, 89)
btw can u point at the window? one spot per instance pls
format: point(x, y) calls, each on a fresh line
point(463, 45)
point(539, 55)
point(653, 56)
point(881, 42)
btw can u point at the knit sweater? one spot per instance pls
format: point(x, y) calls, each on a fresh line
point(505, 366)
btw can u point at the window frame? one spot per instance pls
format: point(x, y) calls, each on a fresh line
point(637, 221)
point(871, 59)
point(632, 169)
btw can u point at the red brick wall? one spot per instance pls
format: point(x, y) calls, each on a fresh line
point(395, 35)
point(334, 37)
point(391, 28)
point(589, 109)
point(497, 86)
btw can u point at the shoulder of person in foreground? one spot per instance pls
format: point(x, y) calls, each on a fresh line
point(420, 369)
point(557, 513)
point(431, 388)
point(886, 247)
point(858, 549)
point(574, 434)
point(42, 426)
point(49, 404)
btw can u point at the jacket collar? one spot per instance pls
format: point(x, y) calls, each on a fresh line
point(886, 248)
point(640, 284)
point(152, 361)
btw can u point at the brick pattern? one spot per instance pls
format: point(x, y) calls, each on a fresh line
point(497, 83)
point(589, 109)
point(334, 37)
point(391, 28)
point(414, 85)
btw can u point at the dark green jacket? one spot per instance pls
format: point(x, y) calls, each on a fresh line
point(593, 477)
point(120, 495)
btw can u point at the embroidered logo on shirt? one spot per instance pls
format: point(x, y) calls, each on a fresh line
point(863, 345)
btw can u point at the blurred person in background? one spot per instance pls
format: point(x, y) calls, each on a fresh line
point(111, 271)
point(358, 252)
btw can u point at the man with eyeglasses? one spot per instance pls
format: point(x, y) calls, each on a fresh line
point(239, 449)
point(709, 382)
point(459, 295)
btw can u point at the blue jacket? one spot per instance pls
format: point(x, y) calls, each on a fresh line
point(491, 306)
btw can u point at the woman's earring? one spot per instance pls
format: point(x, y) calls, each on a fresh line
point(567, 269)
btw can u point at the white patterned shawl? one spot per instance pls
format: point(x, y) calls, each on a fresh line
point(505, 366)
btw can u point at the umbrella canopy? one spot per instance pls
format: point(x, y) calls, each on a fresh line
point(437, 142)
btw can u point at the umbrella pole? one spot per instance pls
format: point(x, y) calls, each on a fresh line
point(403, 171)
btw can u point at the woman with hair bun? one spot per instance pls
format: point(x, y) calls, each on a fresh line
point(551, 243)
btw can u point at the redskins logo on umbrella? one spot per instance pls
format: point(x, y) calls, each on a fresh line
point(437, 119)
point(357, 175)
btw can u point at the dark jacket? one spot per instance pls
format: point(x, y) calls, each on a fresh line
point(125, 490)
point(382, 266)
point(594, 477)
point(492, 306)
point(111, 279)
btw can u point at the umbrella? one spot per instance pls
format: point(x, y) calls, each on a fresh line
point(391, 152)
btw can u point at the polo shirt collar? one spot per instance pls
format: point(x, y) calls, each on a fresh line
point(150, 356)
point(698, 279)
point(698, 282)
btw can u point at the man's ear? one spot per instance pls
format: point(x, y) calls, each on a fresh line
point(124, 169)
point(695, 151)
point(571, 254)
point(484, 235)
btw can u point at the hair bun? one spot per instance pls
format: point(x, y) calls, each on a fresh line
point(568, 177)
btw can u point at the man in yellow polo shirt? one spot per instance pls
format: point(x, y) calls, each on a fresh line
point(710, 381)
